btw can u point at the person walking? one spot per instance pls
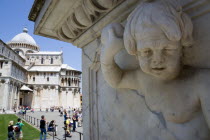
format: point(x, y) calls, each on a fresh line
point(80, 119)
point(25, 111)
point(65, 114)
point(43, 132)
point(74, 122)
point(11, 131)
point(18, 130)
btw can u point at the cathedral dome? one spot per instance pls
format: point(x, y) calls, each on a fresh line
point(23, 38)
point(24, 43)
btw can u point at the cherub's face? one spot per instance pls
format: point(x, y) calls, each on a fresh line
point(160, 57)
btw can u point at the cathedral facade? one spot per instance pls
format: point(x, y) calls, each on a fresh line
point(34, 78)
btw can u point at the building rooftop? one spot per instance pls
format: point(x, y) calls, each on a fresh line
point(50, 68)
point(65, 66)
point(45, 68)
point(46, 53)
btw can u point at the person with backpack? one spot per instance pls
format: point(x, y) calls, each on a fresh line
point(10, 131)
point(18, 130)
point(43, 128)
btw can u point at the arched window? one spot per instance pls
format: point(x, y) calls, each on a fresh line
point(34, 79)
point(42, 61)
point(1, 65)
point(2, 50)
point(69, 82)
point(47, 78)
point(51, 62)
point(18, 52)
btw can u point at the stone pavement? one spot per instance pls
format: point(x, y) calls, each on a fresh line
point(59, 121)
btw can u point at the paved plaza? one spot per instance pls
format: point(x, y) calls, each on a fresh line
point(60, 122)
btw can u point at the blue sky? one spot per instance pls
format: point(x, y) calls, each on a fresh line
point(13, 18)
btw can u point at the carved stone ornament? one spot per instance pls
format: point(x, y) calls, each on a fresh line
point(84, 16)
point(156, 33)
point(37, 6)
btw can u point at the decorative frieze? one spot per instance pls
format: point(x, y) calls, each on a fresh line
point(37, 6)
point(85, 16)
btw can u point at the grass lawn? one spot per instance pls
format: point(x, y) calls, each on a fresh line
point(29, 133)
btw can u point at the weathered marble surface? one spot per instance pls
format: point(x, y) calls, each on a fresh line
point(125, 113)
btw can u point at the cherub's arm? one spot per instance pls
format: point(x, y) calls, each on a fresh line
point(112, 42)
point(205, 104)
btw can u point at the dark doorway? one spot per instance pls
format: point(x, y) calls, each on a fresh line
point(21, 101)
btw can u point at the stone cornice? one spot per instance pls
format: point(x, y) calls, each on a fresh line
point(36, 8)
point(84, 16)
point(80, 21)
point(69, 20)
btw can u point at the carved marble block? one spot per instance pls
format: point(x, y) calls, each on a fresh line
point(157, 33)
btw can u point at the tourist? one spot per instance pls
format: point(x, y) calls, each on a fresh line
point(65, 115)
point(18, 130)
point(68, 126)
point(69, 111)
point(25, 111)
point(74, 122)
point(51, 126)
point(43, 128)
point(61, 113)
point(32, 110)
point(10, 131)
point(80, 119)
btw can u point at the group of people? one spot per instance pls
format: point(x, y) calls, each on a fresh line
point(70, 123)
point(72, 119)
point(23, 110)
point(15, 131)
point(51, 127)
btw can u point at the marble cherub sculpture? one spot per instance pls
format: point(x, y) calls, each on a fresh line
point(157, 32)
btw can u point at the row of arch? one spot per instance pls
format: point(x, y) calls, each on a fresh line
point(70, 82)
point(23, 45)
point(8, 53)
point(20, 52)
point(51, 61)
point(72, 73)
point(39, 88)
point(11, 82)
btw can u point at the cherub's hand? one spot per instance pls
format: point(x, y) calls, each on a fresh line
point(112, 40)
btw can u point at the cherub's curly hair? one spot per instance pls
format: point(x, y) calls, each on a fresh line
point(166, 15)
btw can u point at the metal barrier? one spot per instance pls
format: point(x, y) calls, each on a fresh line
point(80, 134)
